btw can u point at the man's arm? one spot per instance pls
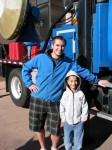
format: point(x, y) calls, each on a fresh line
point(27, 69)
point(87, 75)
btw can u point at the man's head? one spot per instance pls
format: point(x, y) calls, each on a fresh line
point(58, 46)
point(59, 38)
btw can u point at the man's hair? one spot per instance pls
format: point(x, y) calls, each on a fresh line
point(60, 38)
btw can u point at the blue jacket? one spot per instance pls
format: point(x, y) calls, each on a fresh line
point(50, 78)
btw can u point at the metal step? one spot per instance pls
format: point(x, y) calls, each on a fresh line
point(101, 114)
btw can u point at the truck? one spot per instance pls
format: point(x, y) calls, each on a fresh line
point(87, 27)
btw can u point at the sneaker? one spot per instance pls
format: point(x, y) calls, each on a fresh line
point(54, 148)
point(43, 149)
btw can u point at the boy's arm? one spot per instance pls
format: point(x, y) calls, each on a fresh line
point(62, 108)
point(84, 114)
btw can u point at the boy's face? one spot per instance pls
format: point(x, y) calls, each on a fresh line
point(72, 82)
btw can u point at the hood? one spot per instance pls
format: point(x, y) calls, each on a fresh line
point(72, 73)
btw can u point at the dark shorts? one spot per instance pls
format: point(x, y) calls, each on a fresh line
point(41, 112)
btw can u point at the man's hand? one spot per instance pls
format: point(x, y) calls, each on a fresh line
point(33, 88)
point(103, 83)
point(83, 120)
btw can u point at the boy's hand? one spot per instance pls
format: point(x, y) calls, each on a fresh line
point(83, 120)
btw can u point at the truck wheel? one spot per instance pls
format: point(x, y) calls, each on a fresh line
point(19, 93)
point(110, 101)
point(99, 98)
point(101, 93)
point(100, 1)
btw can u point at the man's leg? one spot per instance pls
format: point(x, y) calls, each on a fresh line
point(41, 138)
point(55, 140)
point(53, 123)
point(37, 117)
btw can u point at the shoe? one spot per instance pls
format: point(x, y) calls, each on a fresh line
point(43, 149)
point(54, 148)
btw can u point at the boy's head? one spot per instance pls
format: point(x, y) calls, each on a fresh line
point(72, 80)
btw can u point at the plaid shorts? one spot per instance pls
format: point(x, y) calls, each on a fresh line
point(41, 112)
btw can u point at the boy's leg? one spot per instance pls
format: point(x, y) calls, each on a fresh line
point(78, 136)
point(68, 136)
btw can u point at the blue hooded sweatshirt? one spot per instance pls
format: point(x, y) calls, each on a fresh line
point(50, 77)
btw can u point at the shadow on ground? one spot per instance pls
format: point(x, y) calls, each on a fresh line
point(1, 96)
point(2, 88)
point(33, 144)
point(97, 131)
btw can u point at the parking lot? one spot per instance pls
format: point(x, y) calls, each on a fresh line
point(15, 133)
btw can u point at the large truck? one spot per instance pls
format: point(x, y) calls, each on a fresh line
point(87, 27)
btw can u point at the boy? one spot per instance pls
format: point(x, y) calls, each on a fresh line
point(73, 111)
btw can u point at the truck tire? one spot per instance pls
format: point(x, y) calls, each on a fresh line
point(19, 93)
point(100, 1)
point(110, 101)
point(99, 98)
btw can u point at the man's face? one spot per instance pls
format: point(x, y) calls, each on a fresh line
point(58, 48)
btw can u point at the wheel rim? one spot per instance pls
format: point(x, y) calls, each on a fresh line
point(16, 87)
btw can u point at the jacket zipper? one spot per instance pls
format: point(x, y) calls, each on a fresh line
point(73, 109)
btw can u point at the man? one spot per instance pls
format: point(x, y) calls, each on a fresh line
point(46, 93)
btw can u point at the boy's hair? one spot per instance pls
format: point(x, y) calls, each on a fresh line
point(60, 38)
